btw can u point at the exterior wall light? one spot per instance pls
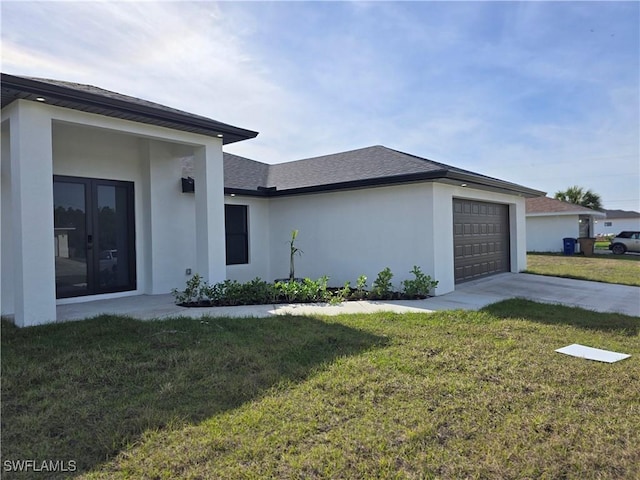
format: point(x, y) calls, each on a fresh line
point(188, 185)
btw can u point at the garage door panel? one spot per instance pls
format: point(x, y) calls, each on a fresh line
point(481, 239)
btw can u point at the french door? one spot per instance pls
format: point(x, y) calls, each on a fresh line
point(94, 236)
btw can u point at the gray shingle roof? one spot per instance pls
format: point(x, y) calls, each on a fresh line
point(92, 99)
point(365, 163)
point(622, 214)
point(244, 174)
point(363, 167)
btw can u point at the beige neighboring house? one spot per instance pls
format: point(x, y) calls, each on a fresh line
point(550, 220)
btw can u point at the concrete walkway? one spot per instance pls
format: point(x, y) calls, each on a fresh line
point(601, 297)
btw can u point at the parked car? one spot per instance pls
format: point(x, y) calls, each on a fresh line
point(108, 260)
point(625, 242)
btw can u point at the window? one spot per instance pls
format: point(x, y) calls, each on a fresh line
point(237, 236)
point(608, 224)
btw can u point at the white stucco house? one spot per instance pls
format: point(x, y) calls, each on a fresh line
point(618, 221)
point(105, 195)
point(550, 220)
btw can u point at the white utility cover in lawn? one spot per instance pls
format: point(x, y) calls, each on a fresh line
point(590, 353)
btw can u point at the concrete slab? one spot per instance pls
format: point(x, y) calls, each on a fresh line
point(472, 295)
point(600, 297)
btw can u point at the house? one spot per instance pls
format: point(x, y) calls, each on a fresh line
point(550, 220)
point(363, 210)
point(618, 221)
point(106, 195)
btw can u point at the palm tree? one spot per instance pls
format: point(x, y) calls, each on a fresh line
point(580, 196)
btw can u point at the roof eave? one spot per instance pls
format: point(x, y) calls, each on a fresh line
point(470, 181)
point(246, 192)
point(494, 183)
point(180, 121)
point(559, 214)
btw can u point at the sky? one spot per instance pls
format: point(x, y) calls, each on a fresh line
point(543, 94)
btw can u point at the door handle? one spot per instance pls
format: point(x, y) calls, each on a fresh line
point(89, 241)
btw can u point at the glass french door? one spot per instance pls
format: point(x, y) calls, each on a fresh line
point(94, 236)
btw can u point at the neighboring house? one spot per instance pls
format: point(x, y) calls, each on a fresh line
point(94, 205)
point(550, 220)
point(618, 221)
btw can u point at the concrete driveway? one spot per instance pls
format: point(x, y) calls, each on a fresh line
point(472, 295)
point(601, 297)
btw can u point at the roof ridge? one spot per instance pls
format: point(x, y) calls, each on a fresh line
point(327, 155)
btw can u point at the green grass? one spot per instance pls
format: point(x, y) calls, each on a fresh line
point(621, 269)
point(444, 395)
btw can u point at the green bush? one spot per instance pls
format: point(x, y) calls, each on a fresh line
point(361, 285)
point(194, 292)
point(382, 286)
point(288, 291)
point(198, 292)
point(420, 286)
point(258, 291)
point(305, 290)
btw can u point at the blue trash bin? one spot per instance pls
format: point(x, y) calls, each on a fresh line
point(569, 246)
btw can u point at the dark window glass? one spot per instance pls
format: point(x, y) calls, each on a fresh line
point(94, 236)
point(237, 234)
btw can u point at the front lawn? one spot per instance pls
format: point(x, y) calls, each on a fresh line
point(622, 269)
point(444, 395)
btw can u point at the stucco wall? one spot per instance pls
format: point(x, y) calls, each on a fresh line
point(545, 234)
point(617, 225)
point(169, 217)
point(6, 241)
point(168, 238)
point(97, 153)
point(349, 233)
point(258, 225)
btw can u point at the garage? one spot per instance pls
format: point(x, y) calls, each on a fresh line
point(480, 239)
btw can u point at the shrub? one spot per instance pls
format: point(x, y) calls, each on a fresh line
point(258, 291)
point(215, 293)
point(194, 291)
point(382, 286)
point(309, 291)
point(420, 286)
point(322, 294)
point(361, 285)
point(232, 293)
point(305, 290)
point(341, 294)
point(288, 291)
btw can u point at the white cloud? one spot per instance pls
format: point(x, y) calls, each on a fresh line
point(501, 89)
